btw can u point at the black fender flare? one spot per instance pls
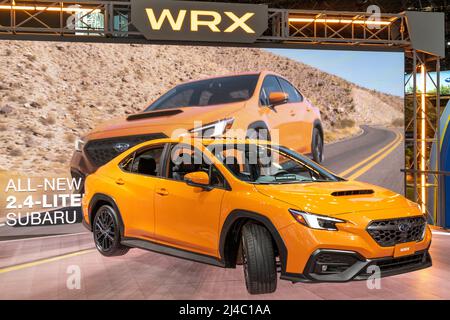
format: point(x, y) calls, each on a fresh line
point(100, 197)
point(266, 222)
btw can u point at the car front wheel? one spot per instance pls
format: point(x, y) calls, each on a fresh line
point(258, 259)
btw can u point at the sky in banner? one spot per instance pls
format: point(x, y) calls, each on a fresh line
point(431, 82)
point(382, 71)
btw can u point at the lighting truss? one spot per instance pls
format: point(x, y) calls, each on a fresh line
point(46, 17)
point(338, 28)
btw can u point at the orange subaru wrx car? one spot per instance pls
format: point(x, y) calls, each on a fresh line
point(263, 105)
point(226, 202)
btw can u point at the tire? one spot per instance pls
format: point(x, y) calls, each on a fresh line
point(258, 134)
point(317, 146)
point(258, 259)
point(106, 232)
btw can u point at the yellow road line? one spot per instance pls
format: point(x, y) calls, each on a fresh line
point(46, 260)
point(377, 160)
point(361, 163)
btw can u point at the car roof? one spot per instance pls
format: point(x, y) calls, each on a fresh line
point(256, 73)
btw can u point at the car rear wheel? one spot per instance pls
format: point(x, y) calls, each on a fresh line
point(317, 146)
point(258, 259)
point(106, 232)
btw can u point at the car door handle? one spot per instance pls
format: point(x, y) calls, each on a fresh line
point(120, 181)
point(162, 192)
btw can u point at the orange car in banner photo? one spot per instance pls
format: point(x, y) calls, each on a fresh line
point(252, 105)
point(252, 203)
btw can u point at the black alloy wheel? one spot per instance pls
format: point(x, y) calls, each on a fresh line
point(106, 232)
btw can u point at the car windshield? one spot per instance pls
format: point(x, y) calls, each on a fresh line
point(265, 164)
point(207, 93)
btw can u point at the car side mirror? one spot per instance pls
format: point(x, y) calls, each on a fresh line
point(277, 98)
point(198, 179)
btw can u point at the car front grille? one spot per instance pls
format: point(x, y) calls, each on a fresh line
point(104, 150)
point(390, 232)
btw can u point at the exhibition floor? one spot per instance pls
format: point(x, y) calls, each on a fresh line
point(38, 269)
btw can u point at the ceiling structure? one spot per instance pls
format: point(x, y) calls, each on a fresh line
point(386, 6)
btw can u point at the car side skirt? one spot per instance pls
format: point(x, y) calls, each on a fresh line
point(172, 251)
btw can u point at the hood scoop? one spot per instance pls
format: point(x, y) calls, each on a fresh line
point(154, 114)
point(352, 192)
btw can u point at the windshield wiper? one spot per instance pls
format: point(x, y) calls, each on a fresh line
point(282, 182)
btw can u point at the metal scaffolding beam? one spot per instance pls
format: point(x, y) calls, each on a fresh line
point(423, 179)
point(78, 20)
point(338, 28)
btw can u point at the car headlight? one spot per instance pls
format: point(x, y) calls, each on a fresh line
point(315, 221)
point(215, 129)
point(79, 144)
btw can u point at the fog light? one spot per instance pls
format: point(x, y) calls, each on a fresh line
point(332, 262)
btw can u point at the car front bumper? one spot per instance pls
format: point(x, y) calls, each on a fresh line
point(346, 254)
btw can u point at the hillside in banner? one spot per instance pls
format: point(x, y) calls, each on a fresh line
point(51, 93)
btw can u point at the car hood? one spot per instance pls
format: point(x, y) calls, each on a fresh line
point(328, 198)
point(165, 120)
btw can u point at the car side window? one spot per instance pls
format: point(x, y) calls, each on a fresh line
point(270, 84)
point(127, 163)
point(294, 95)
point(216, 178)
point(184, 159)
point(146, 162)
